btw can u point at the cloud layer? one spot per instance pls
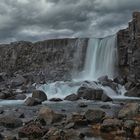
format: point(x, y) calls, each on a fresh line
point(34, 20)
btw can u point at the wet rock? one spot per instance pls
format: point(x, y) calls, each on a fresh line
point(106, 106)
point(109, 125)
point(72, 97)
point(89, 93)
point(129, 110)
point(111, 84)
point(95, 115)
point(105, 98)
point(48, 116)
point(20, 97)
point(39, 95)
point(134, 92)
point(103, 78)
point(32, 131)
point(129, 85)
point(10, 122)
point(32, 101)
point(6, 94)
point(56, 100)
point(119, 80)
point(77, 121)
point(82, 105)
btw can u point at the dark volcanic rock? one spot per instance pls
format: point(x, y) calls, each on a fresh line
point(129, 110)
point(40, 95)
point(129, 51)
point(105, 98)
point(32, 131)
point(10, 122)
point(42, 57)
point(82, 105)
point(119, 80)
point(49, 116)
point(129, 126)
point(89, 93)
point(55, 100)
point(95, 116)
point(17, 81)
point(20, 97)
point(103, 79)
point(32, 101)
point(134, 92)
point(109, 125)
point(72, 97)
point(129, 85)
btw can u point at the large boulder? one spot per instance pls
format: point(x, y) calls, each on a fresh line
point(48, 116)
point(129, 126)
point(31, 130)
point(20, 97)
point(103, 79)
point(119, 80)
point(40, 95)
point(72, 97)
point(105, 98)
point(17, 81)
point(30, 101)
point(134, 92)
point(109, 125)
point(89, 93)
point(94, 115)
point(129, 110)
point(129, 85)
point(10, 122)
point(76, 121)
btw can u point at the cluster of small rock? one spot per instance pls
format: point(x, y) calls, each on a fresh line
point(47, 124)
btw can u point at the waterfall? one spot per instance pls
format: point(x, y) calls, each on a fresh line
point(101, 58)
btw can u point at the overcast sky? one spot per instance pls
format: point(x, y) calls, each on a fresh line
point(35, 20)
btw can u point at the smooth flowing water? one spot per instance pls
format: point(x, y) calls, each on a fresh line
point(101, 59)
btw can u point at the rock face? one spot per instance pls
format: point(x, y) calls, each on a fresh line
point(129, 49)
point(40, 95)
point(129, 110)
point(50, 59)
point(94, 116)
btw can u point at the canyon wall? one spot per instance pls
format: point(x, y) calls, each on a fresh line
point(56, 59)
point(50, 59)
point(129, 49)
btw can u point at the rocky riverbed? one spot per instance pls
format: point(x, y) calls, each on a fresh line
point(28, 114)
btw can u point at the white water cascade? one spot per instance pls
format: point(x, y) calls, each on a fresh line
point(101, 59)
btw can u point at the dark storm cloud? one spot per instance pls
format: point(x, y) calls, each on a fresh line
point(41, 19)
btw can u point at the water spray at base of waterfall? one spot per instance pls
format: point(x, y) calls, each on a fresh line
point(101, 59)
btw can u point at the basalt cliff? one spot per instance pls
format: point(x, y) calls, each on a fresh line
point(53, 59)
